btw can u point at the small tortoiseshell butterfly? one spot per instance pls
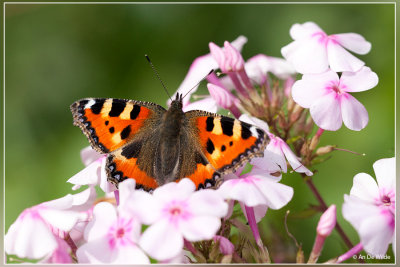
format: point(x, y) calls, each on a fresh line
point(155, 146)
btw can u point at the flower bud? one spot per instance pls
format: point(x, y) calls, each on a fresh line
point(233, 58)
point(324, 150)
point(327, 221)
point(225, 246)
point(325, 226)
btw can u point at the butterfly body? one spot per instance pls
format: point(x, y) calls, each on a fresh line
point(155, 146)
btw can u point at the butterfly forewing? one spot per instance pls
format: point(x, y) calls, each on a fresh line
point(228, 143)
point(111, 123)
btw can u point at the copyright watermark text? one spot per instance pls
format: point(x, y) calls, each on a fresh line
point(370, 257)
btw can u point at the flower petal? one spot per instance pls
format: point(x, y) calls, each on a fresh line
point(259, 211)
point(105, 185)
point(354, 114)
point(130, 255)
point(307, 55)
point(161, 241)
point(139, 204)
point(243, 190)
point(376, 235)
point(200, 228)
point(104, 215)
point(89, 155)
point(221, 96)
point(88, 176)
point(207, 104)
point(207, 203)
point(385, 171)
point(126, 189)
point(312, 87)
point(341, 60)
point(293, 160)
point(326, 112)
point(181, 190)
point(359, 81)
point(29, 228)
point(84, 200)
point(365, 188)
point(299, 31)
point(374, 225)
point(277, 195)
point(96, 252)
point(353, 42)
point(259, 65)
point(273, 159)
point(355, 210)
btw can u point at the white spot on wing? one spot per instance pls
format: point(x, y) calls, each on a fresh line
point(254, 132)
point(90, 103)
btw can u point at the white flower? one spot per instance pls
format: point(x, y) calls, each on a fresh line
point(111, 238)
point(329, 100)
point(174, 212)
point(36, 231)
point(370, 207)
point(312, 50)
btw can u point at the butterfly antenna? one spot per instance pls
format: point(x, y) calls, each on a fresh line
point(158, 76)
point(211, 71)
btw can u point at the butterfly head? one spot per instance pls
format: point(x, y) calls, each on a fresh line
point(177, 103)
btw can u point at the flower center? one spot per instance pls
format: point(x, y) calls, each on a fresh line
point(175, 211)
point(336, 89)
point(120, 233)
point(386, 200)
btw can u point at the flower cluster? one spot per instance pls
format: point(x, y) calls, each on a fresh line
point(177, 224)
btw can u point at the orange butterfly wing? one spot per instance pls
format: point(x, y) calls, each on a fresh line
point(111, 123)
point(221, 145)
point(227, 143)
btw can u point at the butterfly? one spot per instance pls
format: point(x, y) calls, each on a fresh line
point(155, 146)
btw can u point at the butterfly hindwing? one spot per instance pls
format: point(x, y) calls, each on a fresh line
point(227, 143)
point(111, 123)
point(119, 168)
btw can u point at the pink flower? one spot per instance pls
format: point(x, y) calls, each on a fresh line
point(312, 50)
point(276, 153)
point(329, 100)
point(256, 188)
point(370, 207)
point(36, 232)
point(200, 67)
point(111, 238)
point(175, 211)
point(94, 173)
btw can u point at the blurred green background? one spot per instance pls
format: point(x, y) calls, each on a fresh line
point(57, 54)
